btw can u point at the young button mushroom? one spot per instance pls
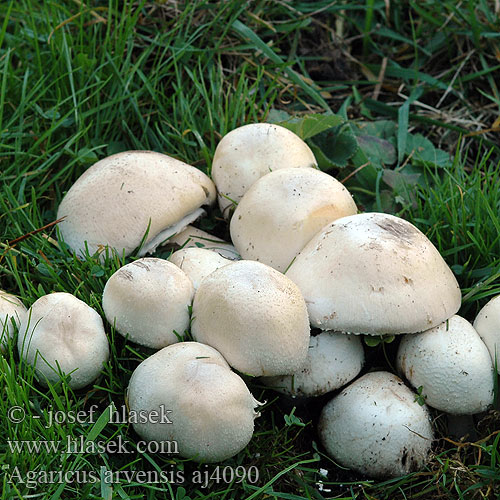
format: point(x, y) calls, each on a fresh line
point(249, 152)
point(333, 360)
point(400, 282)
point(61, 333)
point(121, 198)
point(192, 237)
point(149, 301)
point(11, 309)
point(198, 263)
point(376, 427)
point(487, 324)
point(254, 316)
point(451, 364)
point(283, 210)
point(212, 411)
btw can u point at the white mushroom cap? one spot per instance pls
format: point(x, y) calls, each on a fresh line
point(192, 237)
point(376, 427)
point(198, 263)
point(11, 308)
point(61, 333)
point(149, 301)
point(376, 274)
point(283, 210)
point(333, 360)
point(487, 324)
point(452, 364)
point(254, 316)
point(212, 411)
point(247, 153)
point(116, 200)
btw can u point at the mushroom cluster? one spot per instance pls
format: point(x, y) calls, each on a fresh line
point(302, 257)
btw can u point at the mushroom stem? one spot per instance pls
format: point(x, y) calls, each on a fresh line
point(166, 233)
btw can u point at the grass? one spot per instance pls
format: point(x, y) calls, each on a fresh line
point(82, 81)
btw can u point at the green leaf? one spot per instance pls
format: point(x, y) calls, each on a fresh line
point(419, 396)
point(277, 116)
point(44, 269)
point(97, 271)
point(400, 181)
point(82, 60)
point(311, 125)
point(334, 146)
point(115, 147)
point(106, 486)
point(403, 120)
point(372, 341)
point(292, 419)
point(101, 422)
point(375, 340)
point(385, 129)
point(423, 151)
point(86, 156)
point(330, 138)
point(378, 151)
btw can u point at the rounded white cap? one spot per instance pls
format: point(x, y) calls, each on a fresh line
point(61, 333)
point(254, 316)
point(375, 274)
point(198, 263)
point(333, 360)
point(11, 308)
point(283, 210)
point(192, 237)
point(149, 301)
point(376, 427)
point(120, 198)
point(210, 408)
point(451, 364)
point(487, 324)
point(247, 153)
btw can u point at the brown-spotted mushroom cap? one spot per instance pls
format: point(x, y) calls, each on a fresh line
point(124, 196)
point(192, 237)
point(247, 153)
point(487, 324)
point(198, 263)
point(283, 210)
point(376, 426)
point(451, 364)
point(212, 411)
point(333, 360)
point(61, 333)
point(254, 316)
point(11, 309)
point(375, 274)
point(149, 301)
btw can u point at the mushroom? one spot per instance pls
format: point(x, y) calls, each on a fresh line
point(487, 325)
point(131, 196)
point(451, 364)
point(399, 281)
point(198, 263)
point(61, 334)
point(12, 311)
point(192, 237)
point(376, 426)
point(254, 316)
point(149, 301)
point(283, 210)
point(209, 411)
point(333, 360)
point(247, 153)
